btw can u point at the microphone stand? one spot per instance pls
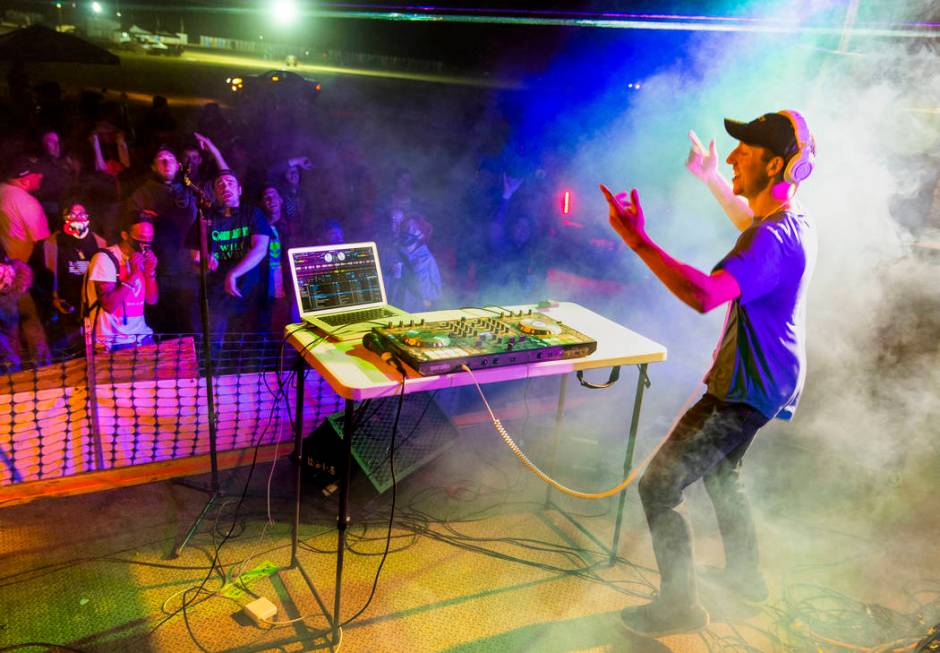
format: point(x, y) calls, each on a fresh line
point(203, 202)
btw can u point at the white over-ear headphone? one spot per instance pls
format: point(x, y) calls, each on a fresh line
point(800, 165)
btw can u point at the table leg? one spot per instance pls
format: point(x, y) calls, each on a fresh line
point(559, 416)
point(342, 518)
point(641, 383)
point(299, 371)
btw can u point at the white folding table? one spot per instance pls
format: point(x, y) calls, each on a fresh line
point(357, 374)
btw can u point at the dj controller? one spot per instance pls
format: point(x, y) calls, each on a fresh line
point(509, 338)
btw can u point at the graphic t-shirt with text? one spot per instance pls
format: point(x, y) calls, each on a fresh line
point(229, 240)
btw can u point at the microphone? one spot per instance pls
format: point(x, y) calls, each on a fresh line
point(204, 200)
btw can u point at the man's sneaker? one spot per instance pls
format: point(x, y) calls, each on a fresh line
point(659, 620)
point(751, 587)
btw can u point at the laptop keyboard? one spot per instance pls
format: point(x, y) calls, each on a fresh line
point(357, 316)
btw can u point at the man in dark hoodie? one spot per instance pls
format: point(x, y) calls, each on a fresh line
point(173, 207)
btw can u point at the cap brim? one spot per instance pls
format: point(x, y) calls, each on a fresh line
point(738, 129)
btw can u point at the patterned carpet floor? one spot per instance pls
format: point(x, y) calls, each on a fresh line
point(476, 563)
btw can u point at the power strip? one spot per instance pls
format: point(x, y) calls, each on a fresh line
point(261, 611)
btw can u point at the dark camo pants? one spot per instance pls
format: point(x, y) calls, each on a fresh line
point(708, 442)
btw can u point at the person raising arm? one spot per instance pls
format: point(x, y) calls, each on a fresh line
point(759, 366)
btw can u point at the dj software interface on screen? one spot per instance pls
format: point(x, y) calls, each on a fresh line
point(342, 277)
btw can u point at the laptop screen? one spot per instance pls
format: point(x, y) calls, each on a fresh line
point(336, 277)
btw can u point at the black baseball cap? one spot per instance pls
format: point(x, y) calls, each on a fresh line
point(224, 172)
point(22, 165)
point(772, 130)
point(164, 147)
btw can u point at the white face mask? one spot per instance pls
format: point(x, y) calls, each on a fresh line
point(77, 228)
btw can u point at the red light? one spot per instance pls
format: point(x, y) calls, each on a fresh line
point(566, 203)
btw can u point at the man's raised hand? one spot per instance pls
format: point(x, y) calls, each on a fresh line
point(136, 264)
point(701, 162)
point(510, 185)
point(205, 143)
point(150, 263)
point(626, 216)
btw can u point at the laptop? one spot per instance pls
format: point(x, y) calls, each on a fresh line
point(339, 289)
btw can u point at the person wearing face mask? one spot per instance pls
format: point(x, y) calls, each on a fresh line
point(120, 281)
point(419, 283)
point(66, 255)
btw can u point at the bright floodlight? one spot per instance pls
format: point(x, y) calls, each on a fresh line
point(285, 12)
point(96, 7)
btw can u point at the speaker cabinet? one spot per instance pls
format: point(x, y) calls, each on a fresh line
point(424, 431)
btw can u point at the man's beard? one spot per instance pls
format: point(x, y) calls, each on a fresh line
point(757, 185)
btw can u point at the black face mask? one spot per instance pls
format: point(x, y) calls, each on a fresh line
point(409, 239)
point(139, 245)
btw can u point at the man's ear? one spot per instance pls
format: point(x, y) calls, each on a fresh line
point(775, 166)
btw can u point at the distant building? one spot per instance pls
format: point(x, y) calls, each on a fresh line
point(102, 28)
point(15, 18)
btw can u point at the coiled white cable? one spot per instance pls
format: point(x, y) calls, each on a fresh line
point(548, 479)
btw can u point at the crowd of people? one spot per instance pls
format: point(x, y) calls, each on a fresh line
point(99, 231)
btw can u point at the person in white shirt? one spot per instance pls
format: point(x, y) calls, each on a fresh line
point(120, 280)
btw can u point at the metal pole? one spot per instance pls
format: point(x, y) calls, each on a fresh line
point(88, 328)
point(299, 369)
point(559, 416)
point(214, 489)
point(642, 382)
point(343, 517)
point(207, 344)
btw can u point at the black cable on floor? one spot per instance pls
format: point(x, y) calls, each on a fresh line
point(200, 589)
point(391, 517)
